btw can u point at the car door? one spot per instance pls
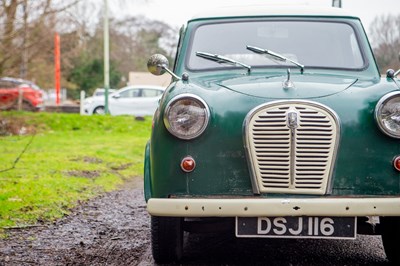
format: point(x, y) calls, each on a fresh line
point(8, 95)
point(123, 102)
point(136, 101)
point(149, 100)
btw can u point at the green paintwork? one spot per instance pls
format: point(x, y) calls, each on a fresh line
point(364, 160)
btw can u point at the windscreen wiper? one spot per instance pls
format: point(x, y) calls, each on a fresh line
point(274, 56)
point(222, 60)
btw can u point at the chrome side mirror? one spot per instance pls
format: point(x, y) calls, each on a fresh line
point(158, 65)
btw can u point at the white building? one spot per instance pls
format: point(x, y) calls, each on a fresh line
point(146, 78)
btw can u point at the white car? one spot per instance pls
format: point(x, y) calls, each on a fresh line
point(130, 100)
point(101, 91)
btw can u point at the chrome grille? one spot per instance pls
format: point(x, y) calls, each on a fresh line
point(292, 147)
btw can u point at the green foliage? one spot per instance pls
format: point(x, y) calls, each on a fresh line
point(68, 160)
point(89, 74)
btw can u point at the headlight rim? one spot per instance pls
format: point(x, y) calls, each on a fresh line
point(168, 108)
point(378, 108)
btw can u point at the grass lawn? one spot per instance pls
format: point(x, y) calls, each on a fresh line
point(60, 160)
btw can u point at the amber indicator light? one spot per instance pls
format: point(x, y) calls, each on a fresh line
point(188, 164)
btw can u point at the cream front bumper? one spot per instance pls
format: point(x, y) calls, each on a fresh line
point(190, 207)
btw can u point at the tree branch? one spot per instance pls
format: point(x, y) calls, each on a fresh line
point(20, 155)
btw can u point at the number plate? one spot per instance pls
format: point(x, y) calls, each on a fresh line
point(297, 227)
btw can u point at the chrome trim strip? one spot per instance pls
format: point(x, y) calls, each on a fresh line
point(292, 124)
point(222, 207)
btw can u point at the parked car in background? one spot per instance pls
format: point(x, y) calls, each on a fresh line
point(277, 125)
point(101, 91)
point(31, 94)
point(130, 100)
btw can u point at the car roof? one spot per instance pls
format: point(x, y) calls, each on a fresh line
point(16, 80)
point(272, 10)
point(101, 89)
point(143, 87)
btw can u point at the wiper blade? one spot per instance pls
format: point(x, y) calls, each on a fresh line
point(276, 56)
point(222, 60)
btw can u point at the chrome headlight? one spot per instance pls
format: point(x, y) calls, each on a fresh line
point(387, 114)
point(186, 116)
point(88, 101)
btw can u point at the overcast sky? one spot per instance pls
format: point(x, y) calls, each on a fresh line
point(177, 12)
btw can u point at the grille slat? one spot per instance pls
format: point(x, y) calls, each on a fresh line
point(292, 147)
point(276, 177)
point(269, 130)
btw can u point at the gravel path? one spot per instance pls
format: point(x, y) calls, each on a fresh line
point(109, 230)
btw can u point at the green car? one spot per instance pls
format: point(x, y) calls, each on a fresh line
point(276, 124)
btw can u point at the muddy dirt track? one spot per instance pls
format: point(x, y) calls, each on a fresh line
point(113, 229)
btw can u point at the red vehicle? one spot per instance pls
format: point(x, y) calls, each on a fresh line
point(31, 95)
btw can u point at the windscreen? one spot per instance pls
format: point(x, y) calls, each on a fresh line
point(319, 44)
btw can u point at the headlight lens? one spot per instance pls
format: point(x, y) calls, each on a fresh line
point(387, 114)
point(88, 101)
point(186, 116)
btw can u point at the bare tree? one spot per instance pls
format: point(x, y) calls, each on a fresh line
point(385, 39)
point(27, 38)
point(26, 34)
point(135, 39)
